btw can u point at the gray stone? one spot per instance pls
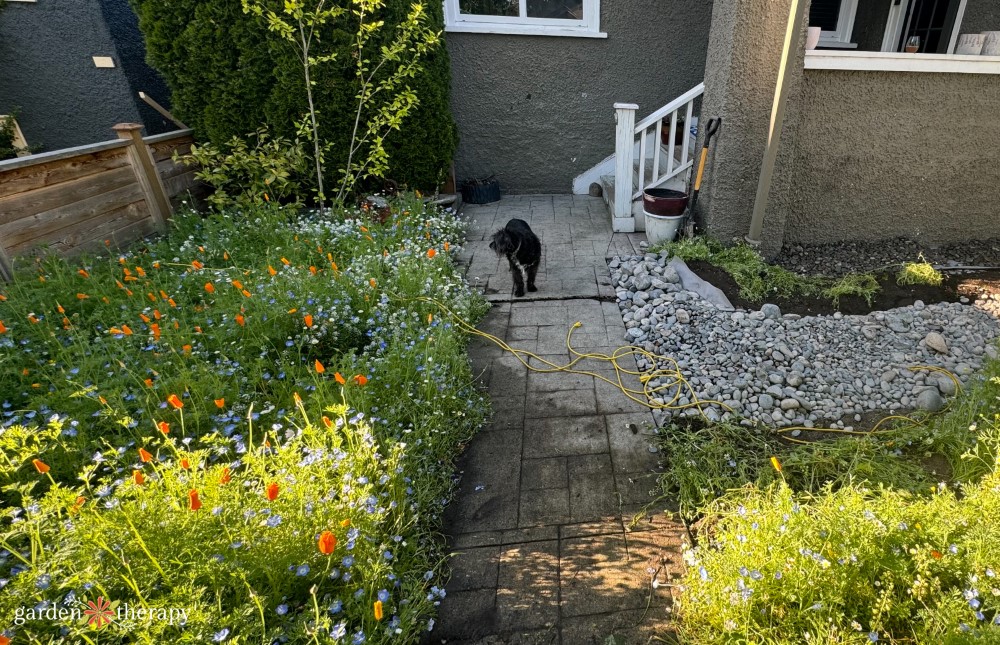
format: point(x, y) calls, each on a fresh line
point(929, 400)
point(794, 379)
point(946, 386)
point(936, 341)
point(889, 376)
point(770, 311)
point(682, 316)
point(790, 404)
point(766, 401)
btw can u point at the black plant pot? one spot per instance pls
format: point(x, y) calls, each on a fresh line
point(483, 191)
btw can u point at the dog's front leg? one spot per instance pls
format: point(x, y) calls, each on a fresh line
point(515, 273)
point(532, 270)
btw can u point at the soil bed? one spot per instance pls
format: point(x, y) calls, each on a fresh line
point(971, 285)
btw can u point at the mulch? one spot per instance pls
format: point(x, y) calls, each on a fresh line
point(971, 285)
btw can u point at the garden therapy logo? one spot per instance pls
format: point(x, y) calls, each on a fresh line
point(99, 613)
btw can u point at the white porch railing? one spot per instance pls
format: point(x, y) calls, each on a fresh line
point(630, 178)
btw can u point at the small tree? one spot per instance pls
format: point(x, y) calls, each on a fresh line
point(381, 78)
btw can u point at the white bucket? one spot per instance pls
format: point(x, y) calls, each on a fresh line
point(661, 228)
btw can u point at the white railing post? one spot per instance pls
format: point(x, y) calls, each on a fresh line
point(624, 157)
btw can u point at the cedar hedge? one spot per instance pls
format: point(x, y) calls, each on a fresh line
point(228, 75)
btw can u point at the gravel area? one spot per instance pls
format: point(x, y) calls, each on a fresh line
point(840, 258)
point(787, 370)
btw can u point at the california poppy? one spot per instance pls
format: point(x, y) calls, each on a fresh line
point(361, 379)
point(319, 367)
point(185, 464)
point(145, 456)
point(937, 555)
point(446, 246)
point(209, 287)
point(220, 403)
point(327, 422)
point(270, 270)
point(309, 320)
point(175, 401)
point(431, 253)
point(155, 328)
point(83, 273)
point(313, 270)
point(272, 491)
point(226, 477)
point(345, 523)
point(327, 542)
point(240, 320)
point(40, 466)
point(138, 477)
point(197, 265)
point(186, 349)
point(776, 464)
point(163, 427)
point(340, 379)
point(82, 296)
point(372, 282)
point(238, 284)
point(378, 610)
point(285, 261)
point(3, 328)
point(194, 501)
point(126, 330)
point(140, 271)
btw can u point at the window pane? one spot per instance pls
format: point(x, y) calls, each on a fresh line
point(489, 7)
point(563, 9)
point(824, 14)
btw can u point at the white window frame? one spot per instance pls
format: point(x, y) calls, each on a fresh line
point(897, 16)
point(841, 38)
point(588, 27)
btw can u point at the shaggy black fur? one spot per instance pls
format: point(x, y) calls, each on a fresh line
point(523, 250)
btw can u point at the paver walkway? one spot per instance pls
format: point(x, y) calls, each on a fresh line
point(542, 532)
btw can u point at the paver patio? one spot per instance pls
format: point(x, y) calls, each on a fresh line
point(545, 547)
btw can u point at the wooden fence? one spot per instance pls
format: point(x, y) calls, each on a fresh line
point(86, 198)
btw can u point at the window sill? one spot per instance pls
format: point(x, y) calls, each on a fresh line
point(901, 62)
point(836, 44)
point(522, 30)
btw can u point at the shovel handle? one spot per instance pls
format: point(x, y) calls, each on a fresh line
point(713, 126)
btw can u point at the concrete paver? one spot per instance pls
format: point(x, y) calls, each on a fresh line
point(546, 548)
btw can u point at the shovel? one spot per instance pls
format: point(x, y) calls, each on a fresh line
point(710, 130)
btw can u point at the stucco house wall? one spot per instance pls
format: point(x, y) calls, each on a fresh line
point(536, 111)
point(64, 100)
point(981, 15)
point(887, 154)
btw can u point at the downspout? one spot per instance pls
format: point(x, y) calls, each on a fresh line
point(793, 38)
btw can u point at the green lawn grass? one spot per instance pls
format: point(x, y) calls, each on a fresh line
point(252, 420)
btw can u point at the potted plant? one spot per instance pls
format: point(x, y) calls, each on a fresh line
point(679, 132)
point(481, 191)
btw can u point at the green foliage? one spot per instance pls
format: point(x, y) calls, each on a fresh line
point(854, 565)
point(853, 284)
point(7, 135)
point(226, 72)
point(756, 278)
point(887, 532)
point(919, 273)
point(242, 175)
point(304, 354)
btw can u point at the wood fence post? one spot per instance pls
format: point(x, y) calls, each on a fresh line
point(6, 268)
point(145, 173)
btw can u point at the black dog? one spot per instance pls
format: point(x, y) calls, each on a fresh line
point(522, 248)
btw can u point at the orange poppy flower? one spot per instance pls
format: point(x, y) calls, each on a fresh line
point(157, 314)
point(340, 379)
point(126, 330)
point(175, 401)
point(148, 382)
point(144, 318)
point(195, 503)
point(313, 270)
point(327, 422)
point(185, 464)
point(144, 456)
point(319, 367)
point(4, 640)
point(246, 294)
point(82, 296)
point(114, 330)
point(3, 298)
point(220, 403)
point(197, 265)
point(308, 320)
point(431, 253)
point(163, 427)
point(83, 273)
point(177, 325)
point(163, 294)
point(285, 261)
point(226, 477)
point(272, 491)
point(138, 477)
point(327, 542)
point(209, 287)
point(446, 245)
point(151, 297)
point(60, 309)
point(186, 349)
point(240, 320)
point(34, 319)
point(40, 466)
point(361, 379)
point(364, 229)
point(155, 328)
point(170, 301)
point(237, 284)
point(270, 270)
point(372, 283)
point(937, 555)
point(345, 523)
point(140, 271)
point(3, 328)
point(333, 265)
point(378, 610)
point(99, 398)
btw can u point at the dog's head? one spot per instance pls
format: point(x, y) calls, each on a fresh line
point(503, 243)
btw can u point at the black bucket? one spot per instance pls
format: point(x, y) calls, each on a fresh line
point(485, 191)
point(662, 201)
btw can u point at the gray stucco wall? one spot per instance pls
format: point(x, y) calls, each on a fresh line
point(48, 73)
point(538, 110)
point(886, 154)
point(981, 15)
